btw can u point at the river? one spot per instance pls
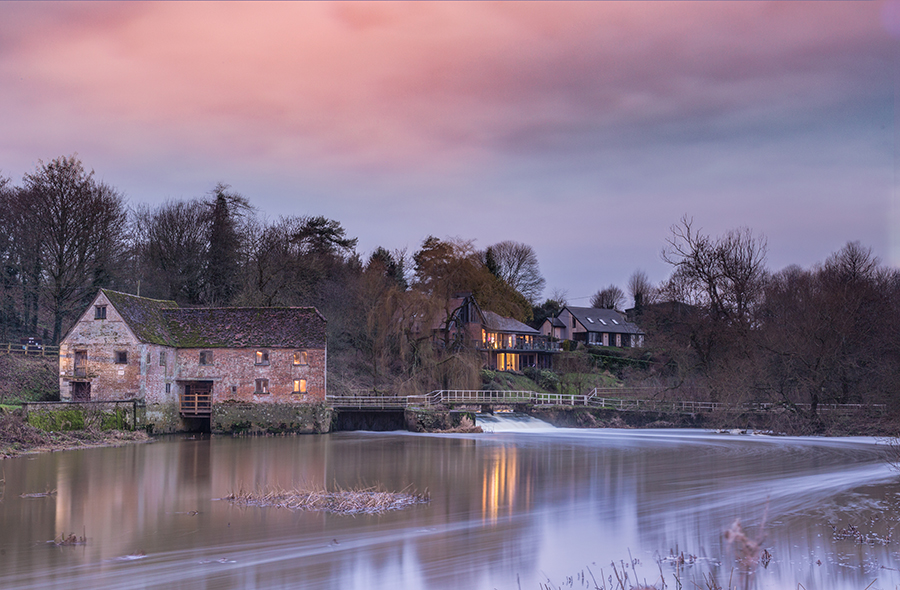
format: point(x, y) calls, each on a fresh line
point(528, 508)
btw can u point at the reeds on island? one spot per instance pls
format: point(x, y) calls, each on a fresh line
point(361, 501)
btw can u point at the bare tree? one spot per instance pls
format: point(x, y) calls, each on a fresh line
point(640, 288)
point(10, 263)
point(516, 264)
point(829, 334)
point(721, 282)
point(724, 275)
point(172, 243)
point(80, 224)
point(611, 297)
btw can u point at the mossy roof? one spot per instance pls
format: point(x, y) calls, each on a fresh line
point(164, 323)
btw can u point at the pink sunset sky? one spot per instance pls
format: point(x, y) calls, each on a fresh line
point(583, 129)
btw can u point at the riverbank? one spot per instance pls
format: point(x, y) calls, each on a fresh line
point(780, 421)
point(18, 438)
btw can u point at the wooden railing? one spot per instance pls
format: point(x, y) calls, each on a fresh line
point(195, 404)
point(29, 349)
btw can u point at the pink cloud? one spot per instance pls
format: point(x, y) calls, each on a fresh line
point(412, 84)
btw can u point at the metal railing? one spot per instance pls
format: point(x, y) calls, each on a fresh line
point(462, 397)
point(368, 402)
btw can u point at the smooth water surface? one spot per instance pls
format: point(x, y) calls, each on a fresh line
point(508, 510)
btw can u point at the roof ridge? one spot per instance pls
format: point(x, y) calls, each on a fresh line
point(106, 291)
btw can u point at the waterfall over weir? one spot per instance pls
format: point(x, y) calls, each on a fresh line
point(511, 423)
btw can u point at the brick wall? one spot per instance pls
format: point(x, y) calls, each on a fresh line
point(234, 373)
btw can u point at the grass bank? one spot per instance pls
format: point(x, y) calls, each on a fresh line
point(19, 438)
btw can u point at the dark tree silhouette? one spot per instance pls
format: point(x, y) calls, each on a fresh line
point(80, 226)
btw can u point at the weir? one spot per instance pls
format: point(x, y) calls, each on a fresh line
point(511, 422)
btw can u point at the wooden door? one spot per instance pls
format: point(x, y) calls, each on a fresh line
point(80, 363)
point(81, 391)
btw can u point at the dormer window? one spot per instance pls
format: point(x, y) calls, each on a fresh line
point(262, 357)
point(99, 312)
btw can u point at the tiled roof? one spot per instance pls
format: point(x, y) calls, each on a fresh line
point(144, 316)
point(163, 322)
point(494, 321)
point(603, 320)
point(245, 327)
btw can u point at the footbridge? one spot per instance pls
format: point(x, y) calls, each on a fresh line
point(631, 400)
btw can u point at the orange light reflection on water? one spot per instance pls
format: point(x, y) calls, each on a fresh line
point(499, 484)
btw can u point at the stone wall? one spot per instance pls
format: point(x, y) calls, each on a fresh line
point(58, 416)
point(241, 417)
point(101, 339)
point(234, 373)
point(421, 420)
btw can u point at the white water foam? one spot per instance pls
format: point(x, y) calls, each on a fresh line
point(511, 423)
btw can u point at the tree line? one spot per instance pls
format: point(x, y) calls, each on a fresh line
point(721, 327)
point(727, 328)
point(65, 234)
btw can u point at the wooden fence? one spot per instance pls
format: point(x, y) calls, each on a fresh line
point(29, 349)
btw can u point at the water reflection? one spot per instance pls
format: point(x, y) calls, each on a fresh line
point(508, 511)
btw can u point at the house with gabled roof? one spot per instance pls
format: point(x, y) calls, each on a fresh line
point(505, 343)
point(189, 364)
point(593, 326)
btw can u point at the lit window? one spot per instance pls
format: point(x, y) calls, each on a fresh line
point(121, 357)
point(262, 357)
point(99, 312)
point(262, 386)
point(299, 385)
point(301, 357)
point(206, 357)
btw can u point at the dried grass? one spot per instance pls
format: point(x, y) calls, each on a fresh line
point(67, 541)
point(359, 501)
point(18, 437)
